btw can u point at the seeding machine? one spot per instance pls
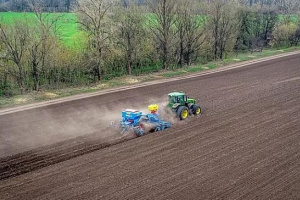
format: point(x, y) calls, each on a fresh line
point(136, 122)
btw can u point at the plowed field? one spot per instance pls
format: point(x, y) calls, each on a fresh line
point(245, 145)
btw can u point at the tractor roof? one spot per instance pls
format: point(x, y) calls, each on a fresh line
point(176, 94)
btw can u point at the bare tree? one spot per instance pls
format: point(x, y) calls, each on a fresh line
point(222, 25)
point(15, 39)
point(18, 5)
point(3, 73)
point(269, 20)
point(162, 26)
point(289, 7)
point(42, 40)
point(245, 27)
point(190, 30)
point(130, 22)
point(93, 17)
point(48, 5)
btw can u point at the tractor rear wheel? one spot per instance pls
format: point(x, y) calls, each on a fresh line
point(182, 112)
point(196, 110)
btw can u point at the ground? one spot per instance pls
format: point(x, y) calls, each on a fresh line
point(245, 145)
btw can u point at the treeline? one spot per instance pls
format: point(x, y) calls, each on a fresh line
point(134, 39)
point(48, 5)
point(66, 5)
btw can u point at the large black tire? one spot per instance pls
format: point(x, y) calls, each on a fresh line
point(182, 112)
point(196, 109)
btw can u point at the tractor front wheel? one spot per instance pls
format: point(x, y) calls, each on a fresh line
point(196, 110)
point(183, 112)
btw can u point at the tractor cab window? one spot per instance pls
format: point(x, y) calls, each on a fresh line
point(185, 98)
point(179, 99)
point(174, 99)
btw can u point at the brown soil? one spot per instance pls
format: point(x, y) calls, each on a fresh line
point(245, 145)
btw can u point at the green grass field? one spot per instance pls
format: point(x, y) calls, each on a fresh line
point(294, 18)
point(68, 29)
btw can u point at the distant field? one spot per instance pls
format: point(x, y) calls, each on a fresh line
point(294, 18)
point(68, 28)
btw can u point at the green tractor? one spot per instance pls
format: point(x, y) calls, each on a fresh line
point(182, 105)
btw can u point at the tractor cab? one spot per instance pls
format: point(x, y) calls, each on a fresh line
point(176, 97)
point(179, 98)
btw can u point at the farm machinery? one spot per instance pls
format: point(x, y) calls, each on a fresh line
point(134, 121)
point(182, 105)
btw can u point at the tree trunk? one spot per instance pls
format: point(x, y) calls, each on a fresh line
point(189, 54)
point(128, 66)
point(181, 54)
point(165, 57)
point(20, 79)
point(35, 76)
point(216, 51)
point(129, 55)
point(216, 43)
point(98, 67)
point(98, 71)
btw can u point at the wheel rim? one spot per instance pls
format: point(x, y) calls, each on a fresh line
point(198, 111)
point(184, 114)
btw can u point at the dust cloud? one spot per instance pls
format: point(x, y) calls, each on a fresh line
point(49, 127)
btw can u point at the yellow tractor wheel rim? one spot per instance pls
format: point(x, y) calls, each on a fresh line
point(184, 114)
point(198, 111)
